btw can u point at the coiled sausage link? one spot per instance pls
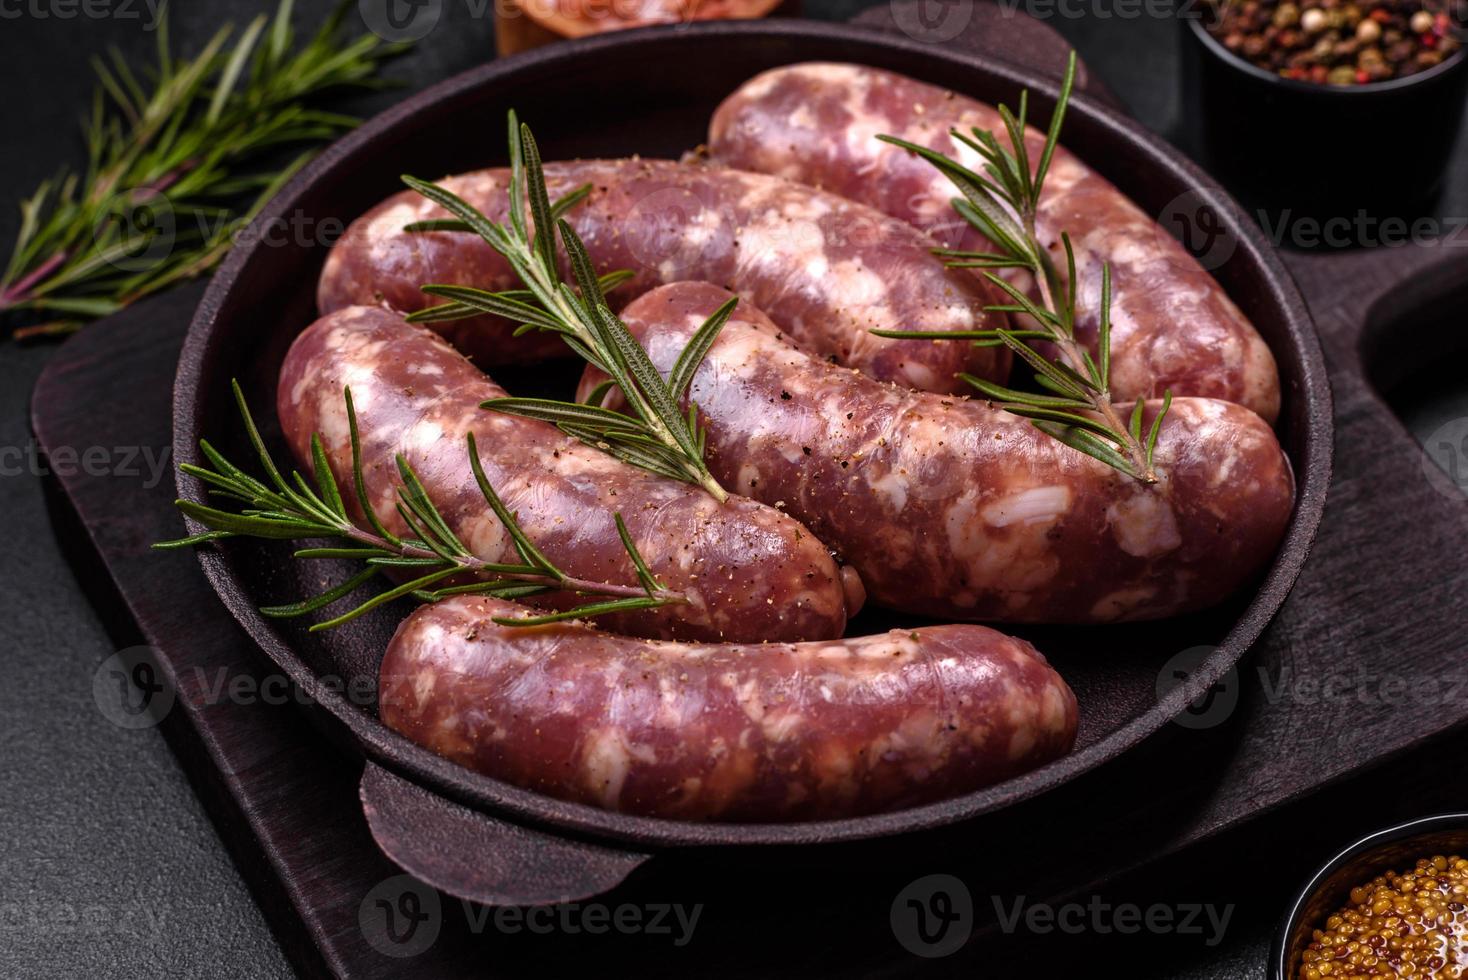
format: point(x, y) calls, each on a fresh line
point(764, 732)
point(750, 572)
point(1172, 324)
point(826, 269)
point(953, 508)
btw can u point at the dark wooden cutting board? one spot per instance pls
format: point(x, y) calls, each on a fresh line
point(1382, 598)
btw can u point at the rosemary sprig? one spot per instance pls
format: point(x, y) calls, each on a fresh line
point(654, 434)
point(1002, 204)
point(294, 509)
point(179, 161)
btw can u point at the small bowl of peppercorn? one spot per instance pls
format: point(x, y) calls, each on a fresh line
point(1328, 108)
point(1391, 905)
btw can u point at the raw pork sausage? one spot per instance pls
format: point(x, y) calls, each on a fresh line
point(825, 269)
point(1172, 324)
point(954, 508)
point(771, 731)
point(750, 572)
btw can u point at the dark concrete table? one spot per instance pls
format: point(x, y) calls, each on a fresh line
point(110, 866)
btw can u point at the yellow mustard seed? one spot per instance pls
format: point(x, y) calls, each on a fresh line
point(1397, 925)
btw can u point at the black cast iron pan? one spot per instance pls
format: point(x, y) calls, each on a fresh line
point(651, 92)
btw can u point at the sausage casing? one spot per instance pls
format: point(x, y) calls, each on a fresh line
point(1173, 326)
point(953, 508)
point(763, 732)
point(826, 269)
point(749, 571)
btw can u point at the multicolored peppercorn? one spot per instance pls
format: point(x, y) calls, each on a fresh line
point(1398, 925)
point(1340, 42)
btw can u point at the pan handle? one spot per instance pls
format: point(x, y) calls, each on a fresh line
point(988, 29)
point(470, 855)
point(1354, 295)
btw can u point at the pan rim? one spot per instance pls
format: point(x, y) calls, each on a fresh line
point(381, 745)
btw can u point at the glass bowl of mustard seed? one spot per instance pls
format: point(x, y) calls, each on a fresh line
point(1392, 905)
point(1326, 108)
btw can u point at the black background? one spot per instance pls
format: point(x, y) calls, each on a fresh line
point(100, 823)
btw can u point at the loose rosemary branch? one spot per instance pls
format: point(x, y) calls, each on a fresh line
point(292, 509)
point(1076, 408)
point(655, 434)
point(177, 168)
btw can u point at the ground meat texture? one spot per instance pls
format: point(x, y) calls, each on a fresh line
point(826, 269)
point(953, 508)
point(767, 732)
point(1173, 327)
point(751, 573)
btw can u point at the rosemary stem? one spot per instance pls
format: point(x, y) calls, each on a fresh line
point(18, 292)
point(639, 402)
point(53, 328)
point(196, 134)
point(1070, 349)
point(704, 480)
point(715, 491)
point(146, 192)
point(471, 563)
